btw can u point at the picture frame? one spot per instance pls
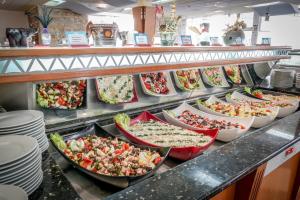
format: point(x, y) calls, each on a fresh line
point(141, 39)
point(186, 40)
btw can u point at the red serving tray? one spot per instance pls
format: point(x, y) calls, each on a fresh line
point(180, 153)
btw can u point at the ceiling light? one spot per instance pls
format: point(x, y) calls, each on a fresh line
point(102, 5)
point(126, 9)
point(218, 11)
point(264, 4)
point(53, 3)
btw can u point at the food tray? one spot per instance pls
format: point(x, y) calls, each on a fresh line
point(170, 86)
point(180, 86)
point(258, 121)
point(223, 135)
point(229, 78)
point(134, 99)
point(119, 181)
point(180, 153)
point(282, 112)
point(207, 80)
point(84, 100)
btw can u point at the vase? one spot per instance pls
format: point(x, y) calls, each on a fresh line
point(167, 38)
point(234, 38)
point(46, 37)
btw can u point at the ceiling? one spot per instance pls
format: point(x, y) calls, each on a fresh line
point(188, 8)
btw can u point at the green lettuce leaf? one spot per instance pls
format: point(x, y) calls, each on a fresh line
point(58, 141)
point(122, 119)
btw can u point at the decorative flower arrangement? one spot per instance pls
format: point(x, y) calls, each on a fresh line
point(45, 19)
point(168, 25)
point(234, 34)
point(237, 26)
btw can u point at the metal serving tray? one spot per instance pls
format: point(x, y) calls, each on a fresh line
point(119, 181)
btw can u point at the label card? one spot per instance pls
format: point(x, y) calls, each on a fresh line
point(141, 39)
point(186, 40)
point(77, 38)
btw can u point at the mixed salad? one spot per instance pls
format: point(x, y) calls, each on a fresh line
point(62, 95)
point(198, 121)
point(155, 82)
point(234, 73)
point(240, 110)
point(115, 89)
point(262, 104)
point(214, 75)
point(108, 156)
point(189, 79)
point(162, 134)
point(274, 98)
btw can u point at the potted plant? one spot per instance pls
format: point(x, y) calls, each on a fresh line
point(45, 19)
point(234, 34)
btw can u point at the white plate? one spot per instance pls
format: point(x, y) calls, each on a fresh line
point(31, 188)
point(224, 81)
point(23, 174)
point(32, 126)
point(225, 135)
point(15, 119)
point(30, 180)
point(19, 162)
point(178, 84)
point(11, 192)
point(258, 121)
point(283, 111)
point(170, 86)
point(14, 147)
point(17, 168)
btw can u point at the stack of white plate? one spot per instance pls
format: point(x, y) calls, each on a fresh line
point(282, 78)
point(20, 162)
point(298, 80)
point(9, 192)
point(25, 122)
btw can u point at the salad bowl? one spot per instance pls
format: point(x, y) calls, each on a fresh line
point(235, 97)
point(186, 83)
point(150, 85)
point(109, 98)
point(180, 153)
point(214, 76)
point(259, 121)
point(119, 181)
point(224, 135)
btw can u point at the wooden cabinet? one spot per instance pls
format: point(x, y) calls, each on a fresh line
point(278, 179)
point(279, 184)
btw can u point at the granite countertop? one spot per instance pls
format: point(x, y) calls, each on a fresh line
point(199, 178)
point(54, 186)
point(209, 174)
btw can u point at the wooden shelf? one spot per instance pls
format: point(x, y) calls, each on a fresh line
point(56, 51)
point(33, 77)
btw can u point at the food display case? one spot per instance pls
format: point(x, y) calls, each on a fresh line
point(149, 86)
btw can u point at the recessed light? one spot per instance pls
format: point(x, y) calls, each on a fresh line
point(102, 5)
point(218, 11)
point(53, 3)
point(264, 4)
point(126, 9)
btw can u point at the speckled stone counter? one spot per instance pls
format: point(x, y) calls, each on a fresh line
point(200, 178)
point(54, 186)
point(209, 174)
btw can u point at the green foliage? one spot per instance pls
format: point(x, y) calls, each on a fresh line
point(45, 19)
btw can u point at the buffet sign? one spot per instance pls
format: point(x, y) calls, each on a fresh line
point(77, 38)
point(186, 40)
point(141, 39)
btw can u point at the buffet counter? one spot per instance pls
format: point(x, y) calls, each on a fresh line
point(224, 170)
point(237, 167)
